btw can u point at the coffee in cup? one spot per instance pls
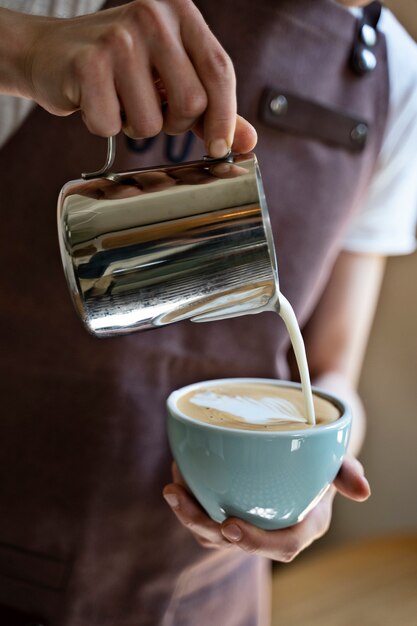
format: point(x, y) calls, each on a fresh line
point(245, 447)
point(258, 406)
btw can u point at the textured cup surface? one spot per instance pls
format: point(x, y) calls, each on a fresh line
point(270, 479)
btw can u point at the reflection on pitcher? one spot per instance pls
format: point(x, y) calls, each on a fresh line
point(150, 247)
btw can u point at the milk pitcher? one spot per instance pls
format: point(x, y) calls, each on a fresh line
point(149, 247)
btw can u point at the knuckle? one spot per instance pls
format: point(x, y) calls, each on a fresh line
point(219, 66)
point(154, 126)
point(141, 129)
point(86, 64)
point(287, 557)
point(117, 38)
point(250, 548)
point(191, 525)
point(184, 110)
point(324, 521)
point(290, 551)
point(90, 66)
point(149, 18)
point(113, 129)
point(182, 7)
point(175, 130)
point(193, 103)
point(101, 127)
point(182, 4)
point(175, 126)
point(205, 543)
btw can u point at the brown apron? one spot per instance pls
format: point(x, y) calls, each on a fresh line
point(85, 536)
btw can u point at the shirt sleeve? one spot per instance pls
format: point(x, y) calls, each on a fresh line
point(386, 222)
point(14, 110)
point(57, 8)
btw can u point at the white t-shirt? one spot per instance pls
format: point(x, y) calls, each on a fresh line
point(386, 222)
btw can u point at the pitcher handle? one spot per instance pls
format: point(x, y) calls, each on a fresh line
point(111, 155)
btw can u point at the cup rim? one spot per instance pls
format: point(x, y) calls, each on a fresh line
point(344, 419)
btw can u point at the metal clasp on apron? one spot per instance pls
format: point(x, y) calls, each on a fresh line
point(363, 59)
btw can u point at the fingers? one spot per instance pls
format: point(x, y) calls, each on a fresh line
point(129, 59)
point(98, 99)
point(351, 482)
point(281, 545)
point(177, 476)
point(245, 135)
point(191, 515)
point(140, 102)
point(284, 545)
point(216, 73)
point(186, 99)
point(161, 64)
point(194, 73)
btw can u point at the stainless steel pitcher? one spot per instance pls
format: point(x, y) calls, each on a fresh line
point(150, 247)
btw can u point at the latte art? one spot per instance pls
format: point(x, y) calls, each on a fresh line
point(253, 406)
point(253, 410)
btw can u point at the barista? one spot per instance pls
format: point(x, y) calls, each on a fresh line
point(96, 544)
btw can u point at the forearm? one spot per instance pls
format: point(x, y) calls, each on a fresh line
point(17, 33)
point(337, 332)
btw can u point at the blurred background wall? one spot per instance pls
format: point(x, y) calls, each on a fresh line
point(406, 12)
point(388, 388)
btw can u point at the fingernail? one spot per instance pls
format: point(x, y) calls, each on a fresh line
point(128, 130)
point(218, 148)
point(172, 500)
point(232, 532)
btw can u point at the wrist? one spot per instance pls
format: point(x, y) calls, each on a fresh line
point(18, 35)
point(339, 385)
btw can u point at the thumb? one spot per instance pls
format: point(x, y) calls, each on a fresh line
point(245, 135)
point(351, 482)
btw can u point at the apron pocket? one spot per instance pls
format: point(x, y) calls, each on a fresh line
point(291, 113)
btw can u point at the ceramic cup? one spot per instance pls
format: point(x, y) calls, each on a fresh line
point(271, 479)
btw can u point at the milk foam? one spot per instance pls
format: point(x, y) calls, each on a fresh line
point(262, 410)
point(253, 404)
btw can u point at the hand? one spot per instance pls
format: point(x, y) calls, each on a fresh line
point(131, 59)
point(280, 545)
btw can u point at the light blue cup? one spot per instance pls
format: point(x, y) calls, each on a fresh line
point(270, 479)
